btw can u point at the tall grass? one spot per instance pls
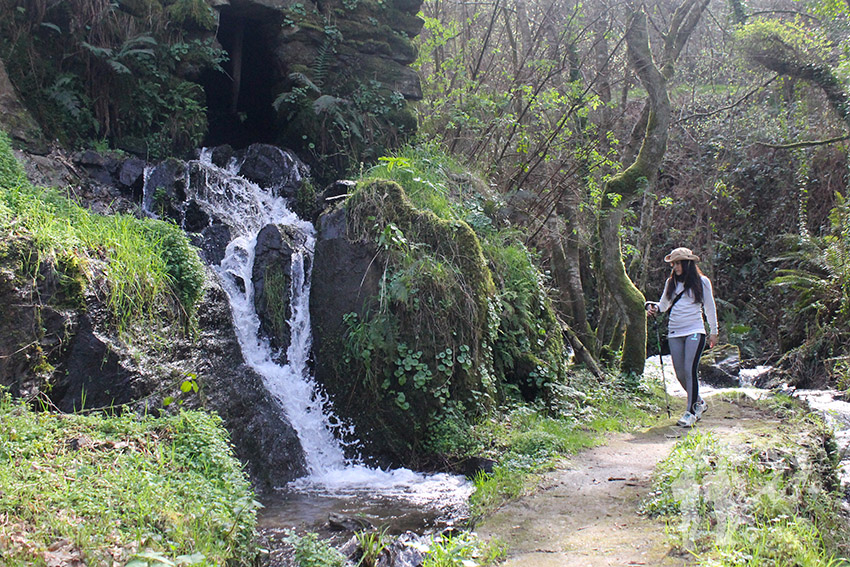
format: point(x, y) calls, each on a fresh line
point(107, 490)
point(148, 266)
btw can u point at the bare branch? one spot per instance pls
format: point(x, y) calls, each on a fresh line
point(728, 106)
point(805, 144)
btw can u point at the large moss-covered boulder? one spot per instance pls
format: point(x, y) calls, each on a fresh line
point(403, 318)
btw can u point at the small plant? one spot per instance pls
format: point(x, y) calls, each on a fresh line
point(189, 385)
point(371, 545)
point(463, 549)
point(312, 551)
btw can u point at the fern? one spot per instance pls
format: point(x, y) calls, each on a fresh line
point(819, 279)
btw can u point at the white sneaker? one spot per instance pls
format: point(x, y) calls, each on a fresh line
point(687, 420)
point(699, 408)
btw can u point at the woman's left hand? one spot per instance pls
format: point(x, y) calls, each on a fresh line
point(712, 341)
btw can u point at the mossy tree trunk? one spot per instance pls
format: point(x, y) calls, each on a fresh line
point(625, 189)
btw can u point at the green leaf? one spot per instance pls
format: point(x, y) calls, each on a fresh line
point(154, 556)
point(193, 559)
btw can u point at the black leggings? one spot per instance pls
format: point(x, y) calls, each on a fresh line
point(685, 352)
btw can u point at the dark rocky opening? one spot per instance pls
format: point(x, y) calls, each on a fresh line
point(239, 101)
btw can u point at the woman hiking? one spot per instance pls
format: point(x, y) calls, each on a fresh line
point(687, 295)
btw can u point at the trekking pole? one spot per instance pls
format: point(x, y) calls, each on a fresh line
point(660, 358)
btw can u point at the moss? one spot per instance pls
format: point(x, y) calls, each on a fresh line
point(403, 118)
point(385, 202)
point(72, 279)
point(192, 14)
point(276, 297)
point(426, 345)
point(305, 200)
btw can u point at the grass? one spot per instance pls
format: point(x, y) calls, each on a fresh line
point(425, 172)
point(770, 500)
point(461, 549)
point(121, 490)
point(146, 265)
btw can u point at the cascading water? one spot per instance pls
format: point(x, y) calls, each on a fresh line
point(246, 208)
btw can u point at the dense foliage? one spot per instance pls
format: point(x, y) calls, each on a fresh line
point(119, 72)
point(93, 489)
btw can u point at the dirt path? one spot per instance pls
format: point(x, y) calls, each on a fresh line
point(587, 513)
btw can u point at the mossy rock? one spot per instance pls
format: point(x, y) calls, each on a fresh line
point(721, 366)
point(424, 335)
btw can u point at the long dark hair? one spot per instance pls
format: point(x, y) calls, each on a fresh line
point(692, 278)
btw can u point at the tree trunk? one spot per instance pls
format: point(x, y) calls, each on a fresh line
point(625, 188)
point(566, 271)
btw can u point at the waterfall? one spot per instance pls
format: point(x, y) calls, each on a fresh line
point(246, 208)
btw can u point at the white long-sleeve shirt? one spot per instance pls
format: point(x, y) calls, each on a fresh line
point(686, 316)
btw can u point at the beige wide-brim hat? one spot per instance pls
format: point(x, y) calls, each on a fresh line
point(680, 254)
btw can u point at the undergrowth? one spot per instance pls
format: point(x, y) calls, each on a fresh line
point(149, 268)
point(770, 499)
point(101, 490)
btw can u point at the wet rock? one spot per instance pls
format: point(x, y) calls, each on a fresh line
point(166, 189)
point(131, 177)
point(345, 279)
point(221, 155)
point(273, 168)
point(212, 242)
point(272, 276)
point(194, 217)
point(262, 437)
point(97, 373)
point(721, 366)
point(341, 522)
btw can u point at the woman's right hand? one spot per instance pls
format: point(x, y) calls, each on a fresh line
point(651, 309)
